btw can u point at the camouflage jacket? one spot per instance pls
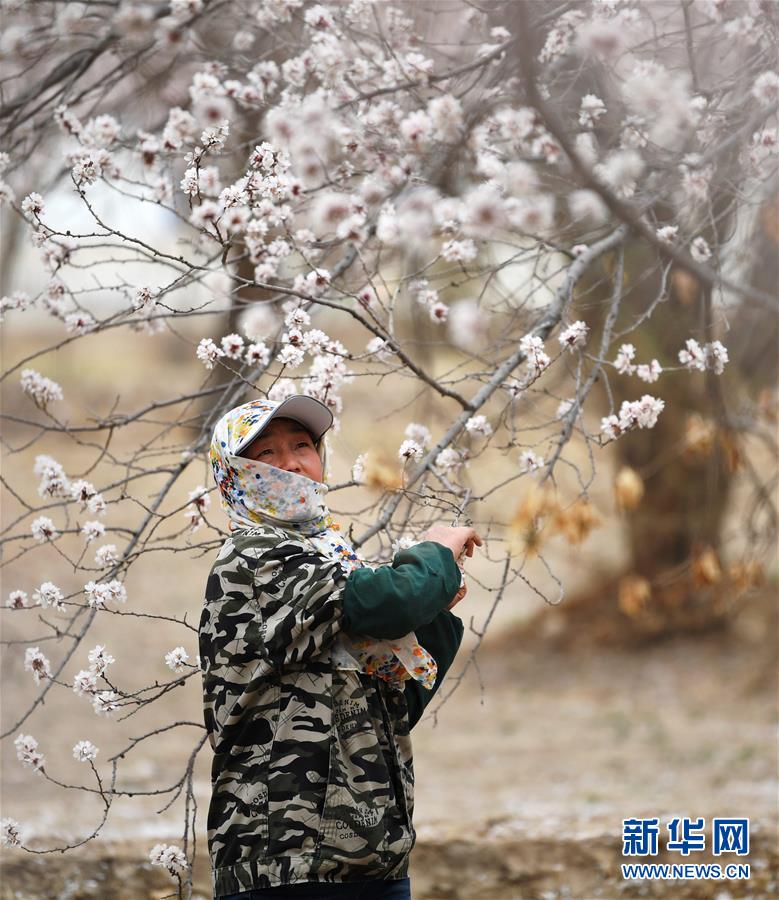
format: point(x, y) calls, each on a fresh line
point(312, 775)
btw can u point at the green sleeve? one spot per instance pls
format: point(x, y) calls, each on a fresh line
point(389, 601)
point(441, 638)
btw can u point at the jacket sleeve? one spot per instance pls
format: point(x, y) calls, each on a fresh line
point(274, 597)
point(392, 600)
point(442, 639)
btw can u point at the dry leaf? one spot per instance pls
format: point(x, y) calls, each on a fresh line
point(524, 530)
point(378, 473)
point(699, 437)
point(577, 521)
point(745, 573)
point(686, 287)
point(768, 404)
point(628, 488)
point(705, 567)
point(634, 594)
point(730, 446)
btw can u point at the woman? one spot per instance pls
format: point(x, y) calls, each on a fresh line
point(315, 668)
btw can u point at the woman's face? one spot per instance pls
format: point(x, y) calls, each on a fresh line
point(286, 444)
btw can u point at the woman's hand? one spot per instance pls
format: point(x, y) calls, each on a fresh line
point(458, 596)
point(459, 539)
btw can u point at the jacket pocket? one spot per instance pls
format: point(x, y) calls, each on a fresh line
point(359, 811)
point(297, 774)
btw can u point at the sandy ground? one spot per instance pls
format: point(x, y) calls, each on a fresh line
point(524, 773)
point(524, 779)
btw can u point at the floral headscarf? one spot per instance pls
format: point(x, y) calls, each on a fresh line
point(255, 492)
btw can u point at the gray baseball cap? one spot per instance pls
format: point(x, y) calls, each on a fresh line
point(310, 412)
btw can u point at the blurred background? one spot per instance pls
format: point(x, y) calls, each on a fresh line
point(628, 667)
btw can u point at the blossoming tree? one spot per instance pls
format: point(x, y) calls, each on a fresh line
point(543, 215)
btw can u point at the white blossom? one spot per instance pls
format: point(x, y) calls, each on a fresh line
point(693, 356)
point(700, 250)
point(87, 495)
point(564, 408)
point(85, 751)
point(459, 251)
point(645, 411)
point(208, 352)
point(42, 390)
point(468, 325)
point(43, 530)
point(624, 361)
point(146, 300)
point(319, 17)
point(86, 167)
point(106, 555)
point(54, 481)
point(19, 300)
point(410, 450)
point(358, 468)
point(446, 115)
point(257, 354)
point(519, 179)
point(478, 425)
point(403, 543)
point(32, 205)
point(649, 373)
point(379, 347)
point(258, 322)
point(641, 413)
point(438, 312)
point(590, 110)
point(533, 348)
point(387, 226)
point(232, 346)
point(92, 531)
point(97, 594)
point(586, 204)
point(99, 659)
point(27, 752)
point(17, 599)
point(449, 460)
point(417, 129)
point(574, 335)
point(291, 356)
point(7, 194)
point(696, 179)
point(49, 594)
point(668, 233)
point(10, 832)
point(530, 461)
point(214, 136)
point(85, 682)
point(317, 281)
point(105, 702)
point(766, 88)
point(620, 171)
point(169, 857)
point(176, 659)
point(36, 662)
point(80, 323)
point(716, 357)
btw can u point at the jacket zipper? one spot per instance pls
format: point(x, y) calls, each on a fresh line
point(399, 790)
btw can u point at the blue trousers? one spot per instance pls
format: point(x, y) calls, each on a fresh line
point(399, 889)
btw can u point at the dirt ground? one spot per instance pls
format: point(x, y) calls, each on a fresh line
point(524, 779)
point(524, 773)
